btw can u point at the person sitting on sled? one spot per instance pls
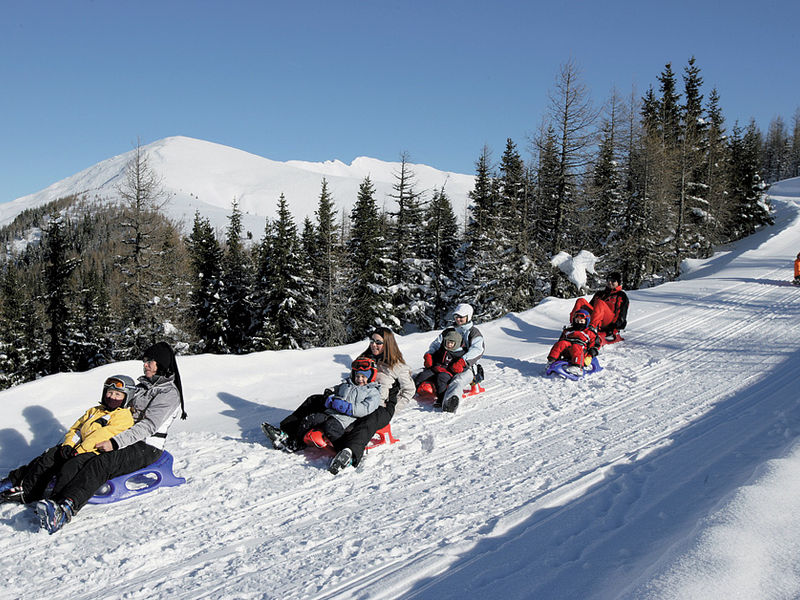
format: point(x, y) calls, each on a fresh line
point(28, 483)
point(443, 364)
point(617, 302)
point(578, 344)
point(472, 338)
point(158, 401)
point(397, 389)
point(323, 418)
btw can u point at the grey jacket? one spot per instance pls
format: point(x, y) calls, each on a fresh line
point(473, 340)
point(363, 398)
point(155, 406)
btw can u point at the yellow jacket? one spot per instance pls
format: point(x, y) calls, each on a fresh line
point(97, 425)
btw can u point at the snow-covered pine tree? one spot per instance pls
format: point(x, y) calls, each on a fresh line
point(439, 250)
point(747, 190)
point(716, 167)
point(326, 253)
point(513, 240)
point(237, 284)
point(289, 309)
point(205, 257)
point(479, 272)
point(23, 350)
point(370, 303)
point(93, 340)
point(58, 295)
point(408, 271)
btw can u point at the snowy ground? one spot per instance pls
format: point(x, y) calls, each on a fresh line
point(674, 473)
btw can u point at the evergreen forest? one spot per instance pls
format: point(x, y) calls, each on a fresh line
point(642, 183)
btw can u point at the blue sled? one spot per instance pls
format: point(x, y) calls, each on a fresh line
point(139, 482)
point(558, 367)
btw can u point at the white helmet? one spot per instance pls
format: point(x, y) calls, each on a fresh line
point(463, 310)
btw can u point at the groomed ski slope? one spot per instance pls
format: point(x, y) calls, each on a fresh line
point(610, 487)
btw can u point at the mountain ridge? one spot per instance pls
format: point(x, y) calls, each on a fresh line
point(206, 176)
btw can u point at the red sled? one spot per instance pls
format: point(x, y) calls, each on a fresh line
point(314, 438)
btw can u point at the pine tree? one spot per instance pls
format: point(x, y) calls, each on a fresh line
point(94, 341)
point(716, 166)
point(143, 197)
point(370, 303)
point(237, 282)
point(746, 187)
point(440, 252)
point(480, 269)
point(58, 293)
point(408, 272)
point(205, 257)
point(289, 309)
point(327, 255)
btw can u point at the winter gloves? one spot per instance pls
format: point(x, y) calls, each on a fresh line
point(66, 452)
point(339, 405)
point(427, 360)
point(458, 366)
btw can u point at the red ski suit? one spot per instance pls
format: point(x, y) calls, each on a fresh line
point(574, 345)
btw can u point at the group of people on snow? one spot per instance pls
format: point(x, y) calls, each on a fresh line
point(346, 417)
point(127, 430)
point(592, 324)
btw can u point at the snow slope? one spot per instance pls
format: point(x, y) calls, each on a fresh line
point(205, 176)
point(673, 473)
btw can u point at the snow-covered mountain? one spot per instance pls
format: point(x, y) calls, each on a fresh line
point(673, 473)
point(205, 176)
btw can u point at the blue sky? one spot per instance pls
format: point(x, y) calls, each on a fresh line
point(336, 79)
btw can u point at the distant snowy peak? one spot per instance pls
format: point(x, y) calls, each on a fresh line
point(207, 177)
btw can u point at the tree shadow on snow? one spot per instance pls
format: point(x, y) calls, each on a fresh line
point(595, 540)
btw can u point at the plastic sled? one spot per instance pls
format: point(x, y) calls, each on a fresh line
point(382, 436)
point(314, 439)
point(425, 392)
point(559, 367)
point(139, 482)
point(475, 388)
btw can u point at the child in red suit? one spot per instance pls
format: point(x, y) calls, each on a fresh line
point(578, 343)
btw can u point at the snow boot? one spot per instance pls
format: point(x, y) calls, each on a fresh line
point(278, 438)
point(12, 494)
point(450, 404)
point(52, 515)
point(343, 458)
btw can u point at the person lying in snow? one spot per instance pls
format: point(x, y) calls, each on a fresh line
point(578, 343)
point(323, 418)
point(443, 363)
point(28, 483)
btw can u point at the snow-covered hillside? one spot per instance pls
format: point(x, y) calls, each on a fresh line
point(673, 473)
point(206, 177)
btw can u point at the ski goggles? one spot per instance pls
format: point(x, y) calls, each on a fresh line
point(113, 382)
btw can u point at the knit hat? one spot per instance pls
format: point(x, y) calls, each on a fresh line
point(162, 353)
point(451, 335)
